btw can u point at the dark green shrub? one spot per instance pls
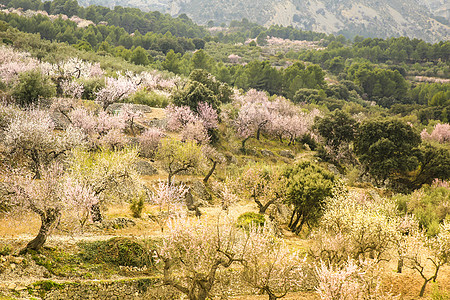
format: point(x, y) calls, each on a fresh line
point(91, 86)
point(31, 87)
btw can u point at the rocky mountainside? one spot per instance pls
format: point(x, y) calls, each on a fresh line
point(425, 19)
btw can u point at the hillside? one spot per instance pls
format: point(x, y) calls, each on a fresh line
point(415, 18)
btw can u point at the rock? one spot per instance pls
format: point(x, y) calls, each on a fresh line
point(333, 169)
point(17, 260)
point(117, 223)
point(20, 288)
point(11, 286)
point(266, 152)
point(287, 154)
point(231, 159)
point(251, 152)
point(61, 121)
point(143, 167)
point(156, 123)
point(116, 107)
point(198, 189)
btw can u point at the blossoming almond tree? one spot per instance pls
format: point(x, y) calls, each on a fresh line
point(191, 255)
point(268, 264)
point(30, 137)
point(170, 200)
point(50, 197)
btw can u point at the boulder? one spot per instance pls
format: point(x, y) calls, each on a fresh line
point(145, 168)
point(287, 154)
point(266, 152)
point(116, 107)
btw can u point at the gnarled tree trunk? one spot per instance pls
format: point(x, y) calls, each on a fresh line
point(49, 217)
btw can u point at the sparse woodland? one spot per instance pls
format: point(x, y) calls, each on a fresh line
point(310, 174)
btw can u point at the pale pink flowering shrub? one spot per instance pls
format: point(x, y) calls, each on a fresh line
point(31, 136)
point(13, 62)
point(149, 141)
point(113, 139)
point(72, 89)
point(103, 129)
point(192, 255)
point(117, 89)
point(278, 118)
point(269, 265)
point(170, 201)
point(208, 115)
point(81, 198)
point(440, 133)
point(350, 281)
point(195, 131)
point(178, 117)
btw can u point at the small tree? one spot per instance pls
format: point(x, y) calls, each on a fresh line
point(269, 266)
point(356, 227)
point(149, 141)
point(425, 250)
point(30, 137)
point(265, 185)
point(170, 200)
point(176, 157)
point(385, 148)
point(192, 255)
point(49, 198)
point(308, 185)
point(108, 174)
point(214, 157)
point(31, 87)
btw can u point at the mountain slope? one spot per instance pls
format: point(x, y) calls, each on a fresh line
point(372, 18)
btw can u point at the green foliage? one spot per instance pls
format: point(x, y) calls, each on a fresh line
point(118, 251)
point(5, 250)
point(31, 87)
point(430, 205)
point(379, 84)
point(248, 219)
point(437, 293)
point(308, 185)
point(337, 128)
point(139, 56)
point(434, 162)
point(222, 91)
point(137, 205)
point(172, 62)
point(193, 93)
point(385, 148)
point(91, 86)
point(150, 98)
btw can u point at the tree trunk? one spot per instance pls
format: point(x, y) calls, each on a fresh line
point(169, 179)
point(243, 143)
point(211, 171)
point(258, 133)
point(35, 165)
point(400, 265)
point(48, 219)
point(96, 213)
point(422, 290)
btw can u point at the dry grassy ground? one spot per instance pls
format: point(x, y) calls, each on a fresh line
point(17, 231)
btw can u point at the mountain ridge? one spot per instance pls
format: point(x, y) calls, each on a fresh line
point(369, 18)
